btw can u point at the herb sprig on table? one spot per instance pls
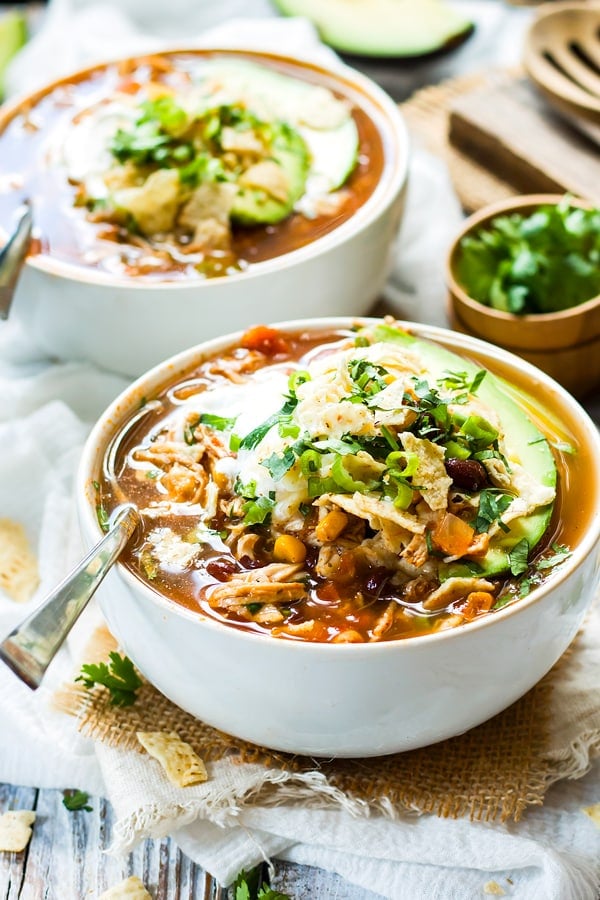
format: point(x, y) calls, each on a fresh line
point(76, 800)
point(246, 887)
point(119, 676)
point(540, 263)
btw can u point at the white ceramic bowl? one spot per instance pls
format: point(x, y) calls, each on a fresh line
point(127, 326)
point(351, 699)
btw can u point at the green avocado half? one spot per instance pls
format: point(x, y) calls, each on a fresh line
point(13, 35)
point(257, 207)
point(384, 28)
point(526, 440)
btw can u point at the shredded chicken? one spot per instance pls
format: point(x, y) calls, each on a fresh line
point(384, 622)
point(270, 584)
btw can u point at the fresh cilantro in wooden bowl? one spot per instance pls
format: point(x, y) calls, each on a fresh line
point(541, 261)
point(524, 274)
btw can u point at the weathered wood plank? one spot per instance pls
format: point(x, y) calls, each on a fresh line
point(304, 881)
point(12, 865)
point(67, 860)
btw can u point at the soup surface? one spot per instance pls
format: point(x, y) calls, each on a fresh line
point(189, 164)
point(344, 487)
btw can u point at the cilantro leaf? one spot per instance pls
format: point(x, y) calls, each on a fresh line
point(254, 437)
point(559, 554)
point(75, 800)
point(491, 506)
point(539, 263)
point(518, 557)
point(119, 676)
point(278, 464)
point(246, 887)
point(256, 512)
point(220, 423)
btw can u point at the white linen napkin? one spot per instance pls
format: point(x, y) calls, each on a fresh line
point(45, 411)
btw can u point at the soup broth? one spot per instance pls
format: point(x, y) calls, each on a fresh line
point(337, 487)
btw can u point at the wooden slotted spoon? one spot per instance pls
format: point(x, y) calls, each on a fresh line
point(562, 56)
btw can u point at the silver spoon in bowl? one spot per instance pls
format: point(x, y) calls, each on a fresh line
point(30, 648)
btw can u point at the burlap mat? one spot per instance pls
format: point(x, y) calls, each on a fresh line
point(492, 772)
point(426, 114)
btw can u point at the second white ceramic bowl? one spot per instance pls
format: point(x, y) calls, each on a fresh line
point(128, 326)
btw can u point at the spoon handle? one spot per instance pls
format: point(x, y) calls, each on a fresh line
point(12, 257)
point(30, 648)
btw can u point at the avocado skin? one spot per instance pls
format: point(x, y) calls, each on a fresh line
point(382, 28)
point(535, 454)
point(255, 207)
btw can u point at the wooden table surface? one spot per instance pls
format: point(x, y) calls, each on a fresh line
point(66, 860)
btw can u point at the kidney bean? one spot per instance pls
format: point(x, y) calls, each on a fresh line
point(468, 474)
point(221, 568)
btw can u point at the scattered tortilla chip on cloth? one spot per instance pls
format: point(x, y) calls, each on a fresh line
point(15, 829)
point(130, 889)
point(18, 566)
point(494, 889)
point(181, 763)
point(593, 812)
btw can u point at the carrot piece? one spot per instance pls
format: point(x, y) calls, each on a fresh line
point(452, 535)
point(268, 340)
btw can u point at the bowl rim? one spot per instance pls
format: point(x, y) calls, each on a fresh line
point(380, 107)
point(517, 203)
point(159, 374)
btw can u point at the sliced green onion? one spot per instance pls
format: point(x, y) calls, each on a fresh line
point(344, 479)
point(454, 450)
point(310, 462)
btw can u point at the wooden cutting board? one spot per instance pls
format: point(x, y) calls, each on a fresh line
point(508, 128)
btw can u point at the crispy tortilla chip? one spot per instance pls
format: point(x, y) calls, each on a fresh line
point(130, 889)
point(181, 763)
point(15, 829)
point(492, 887)
point(18, 566)
point(593, 812)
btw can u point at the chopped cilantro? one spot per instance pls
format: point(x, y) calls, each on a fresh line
point(539, 263)
point(492, 504)
point(461, 381)
point(524, 587)
point(253, 608)
point(103, 516)
point(220, 423)
point(518, 557)
point(254, 437)
point(368, 379)
point(257, 511)
point(246, 887)
point(278, 464)
point(119, 676)
point(559, 554)
point(76, 800)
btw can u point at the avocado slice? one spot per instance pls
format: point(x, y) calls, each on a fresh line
point(384, 28)
point(13, 35)
point(254, 206)
point(333, 151)
point(526, 440)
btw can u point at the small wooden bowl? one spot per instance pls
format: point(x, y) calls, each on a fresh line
point(564, 344)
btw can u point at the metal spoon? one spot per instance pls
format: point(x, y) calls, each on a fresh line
point(12, 257)
point(30, 648)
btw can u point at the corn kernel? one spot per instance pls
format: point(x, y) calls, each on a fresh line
point(331, 526)
point(289, 549)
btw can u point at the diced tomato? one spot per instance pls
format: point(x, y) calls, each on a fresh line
point(268, 340)
point(452, 535)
